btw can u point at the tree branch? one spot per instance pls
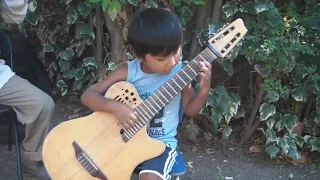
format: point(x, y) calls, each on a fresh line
point(216, 13)
point(99, 36)
point(117, 41)
point(201, 16)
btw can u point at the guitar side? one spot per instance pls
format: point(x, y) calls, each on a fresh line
point(98, 134)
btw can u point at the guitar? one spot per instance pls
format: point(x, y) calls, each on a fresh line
point(97, 147)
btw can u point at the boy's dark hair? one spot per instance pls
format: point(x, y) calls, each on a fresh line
point(156, 31)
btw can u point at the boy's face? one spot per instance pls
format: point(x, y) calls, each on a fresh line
point(161, 64)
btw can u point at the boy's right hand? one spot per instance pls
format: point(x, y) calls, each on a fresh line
point(126, 116)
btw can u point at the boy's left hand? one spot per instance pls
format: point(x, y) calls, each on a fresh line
point(205, 75)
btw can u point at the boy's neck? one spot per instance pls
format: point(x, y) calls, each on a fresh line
point(145, 69)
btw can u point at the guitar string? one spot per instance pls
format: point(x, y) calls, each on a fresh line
point(205, 55)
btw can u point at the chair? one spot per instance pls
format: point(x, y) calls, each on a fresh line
point(7, 113)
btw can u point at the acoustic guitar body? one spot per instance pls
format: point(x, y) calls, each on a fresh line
point(99, 137)
point(96, 147)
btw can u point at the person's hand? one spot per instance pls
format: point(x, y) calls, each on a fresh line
point(126, 115)
point(205, 75)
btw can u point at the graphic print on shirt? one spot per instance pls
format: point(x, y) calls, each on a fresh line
point(154, 128)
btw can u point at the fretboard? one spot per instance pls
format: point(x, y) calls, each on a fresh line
point(154, 103)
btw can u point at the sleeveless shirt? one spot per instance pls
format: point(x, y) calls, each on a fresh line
point(164, 125)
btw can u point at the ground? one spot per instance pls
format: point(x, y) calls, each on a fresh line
point(209, 162)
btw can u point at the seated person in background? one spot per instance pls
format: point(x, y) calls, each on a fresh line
point(33, 107)
point(155, 35)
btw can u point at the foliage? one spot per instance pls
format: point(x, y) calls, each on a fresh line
point(283, 46)
point(66, 30)
point(222, 107)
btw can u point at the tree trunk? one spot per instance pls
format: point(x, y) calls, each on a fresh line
point(99, 36)
point(216, 13)
point(253, 122)
point(117, 40)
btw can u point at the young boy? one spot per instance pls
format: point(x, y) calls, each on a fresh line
point(155, 35)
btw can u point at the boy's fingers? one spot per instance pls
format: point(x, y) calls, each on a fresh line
point(126, 125)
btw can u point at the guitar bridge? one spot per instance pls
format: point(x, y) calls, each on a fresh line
point(87, 163)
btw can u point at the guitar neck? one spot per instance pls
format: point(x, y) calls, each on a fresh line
point(154, 103)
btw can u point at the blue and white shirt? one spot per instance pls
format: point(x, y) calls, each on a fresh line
point(163, 126)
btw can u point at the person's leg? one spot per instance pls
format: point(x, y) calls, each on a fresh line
point(33, 108)
point(158, 168)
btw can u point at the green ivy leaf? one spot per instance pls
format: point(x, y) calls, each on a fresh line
point(271, 135)
point(111, 66)
point(204, 111)
point(72, 15)
point(283, 144)
point(133, 2)
point(79, 74)
point(285, 92)
point(95, 1)
point(67, 54)
point(105, 4)
point(215, 118)
point(32, 18)
point(112, 13)
point(271, 96)
point(117, 5)
point(272, 151)
point(151, 4)
point(229, 9)
point(248, 8)
point(289, 121)
point(90, 62)
point(70, 74)
point(300, 94)
point(294, 154)
point(297, 139)
point(270, 122)
point(315, 144)
point(240, 113)
point(32, 6)
point(261, 5)
point(226, 132)
point(263, 70)
point(77, 85)
point(84, 8)
point(266, 110)
point(63, 87)
point(84, 29)
point(64, 65)
point(48, 48)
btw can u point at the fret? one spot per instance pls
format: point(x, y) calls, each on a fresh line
point(167, 91)
point(192, 70)
point(176, 83)
point(149, 110)
point(202, 57)
point(171, 86)
point(163, 95)
point(155, 94)
point(152, 105)
point(181, 79)
point(155, 102)
point(146, 110)
point(186, 73)
point(142, 115)
point(127, 136)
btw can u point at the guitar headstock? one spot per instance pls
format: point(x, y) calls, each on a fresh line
point(222, 42)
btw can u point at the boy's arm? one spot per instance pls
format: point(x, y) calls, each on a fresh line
point(192, 103)
point(94, 98)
